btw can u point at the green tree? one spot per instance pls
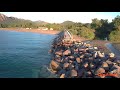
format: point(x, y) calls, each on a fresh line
point(116, 21)
point(115, 36)
point(86, 33)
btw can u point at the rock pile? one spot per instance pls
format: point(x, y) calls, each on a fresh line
point(75, 59)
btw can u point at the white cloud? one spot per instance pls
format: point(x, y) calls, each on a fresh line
point(58, 17)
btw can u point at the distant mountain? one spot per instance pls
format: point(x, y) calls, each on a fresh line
point(39, 22)
point(6, 19)
point(3, 18)
point(67, 22)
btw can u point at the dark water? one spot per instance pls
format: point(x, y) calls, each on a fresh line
point(22, 55)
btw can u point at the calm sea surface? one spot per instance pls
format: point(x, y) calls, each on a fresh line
point(24, 55)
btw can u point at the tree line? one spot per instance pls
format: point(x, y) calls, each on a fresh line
point(97, 29)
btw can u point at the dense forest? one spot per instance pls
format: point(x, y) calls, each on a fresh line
point(97, 29)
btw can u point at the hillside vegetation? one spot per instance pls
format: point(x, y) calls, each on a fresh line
point(97, 29)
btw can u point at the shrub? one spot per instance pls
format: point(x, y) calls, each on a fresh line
point(115, 36)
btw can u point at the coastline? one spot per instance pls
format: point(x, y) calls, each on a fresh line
point(52, 32)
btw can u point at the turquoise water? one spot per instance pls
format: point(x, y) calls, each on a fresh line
point(22, 55)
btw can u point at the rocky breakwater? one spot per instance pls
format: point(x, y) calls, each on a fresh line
point(75, 59)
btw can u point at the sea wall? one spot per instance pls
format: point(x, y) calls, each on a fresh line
point(76, 59)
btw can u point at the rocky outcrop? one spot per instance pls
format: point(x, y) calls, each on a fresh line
point(3, 17)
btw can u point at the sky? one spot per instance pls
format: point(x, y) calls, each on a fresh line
point(59, 17)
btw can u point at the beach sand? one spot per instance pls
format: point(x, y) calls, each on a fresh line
point(31, 30)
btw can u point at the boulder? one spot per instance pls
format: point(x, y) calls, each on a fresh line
point(117, 61)
point(58, 60)
point(85, 64)
point(71, 57)
point(81, 72)
point(58, 53)
point(115, 67)
point(88, 45)
point(62, 76)
point(70, 61)
point(54, 65)
point(81, 50)
point(115, 73)
point(111, 55)
point(71, 66)
point(100, 71)
point(92, 66)
point(78, 60)
point(73, 73)
point(67, 74)
point(76, 50)
point(87, 55)
point(67, 52)
point(90, 58)
point(66, 65)
point(109, 63)
point(101, 55)
point(104, 64)
point(90, 50)
point(88, 74)
point(60, 72)
point(81, 56)
point(76, 67)
point(95, 48)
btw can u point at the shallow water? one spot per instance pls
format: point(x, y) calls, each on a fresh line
point(24, 54)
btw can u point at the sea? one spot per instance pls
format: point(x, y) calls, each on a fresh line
point(25, 54)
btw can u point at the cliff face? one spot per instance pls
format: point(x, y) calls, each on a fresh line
point(3, 17)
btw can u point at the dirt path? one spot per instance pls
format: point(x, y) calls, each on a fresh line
point(112, 49)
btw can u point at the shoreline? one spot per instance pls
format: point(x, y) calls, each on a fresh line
point(51, 32)
point(55, 32)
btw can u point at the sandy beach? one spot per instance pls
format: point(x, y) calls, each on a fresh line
point(31, 30)
point(53, 32)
